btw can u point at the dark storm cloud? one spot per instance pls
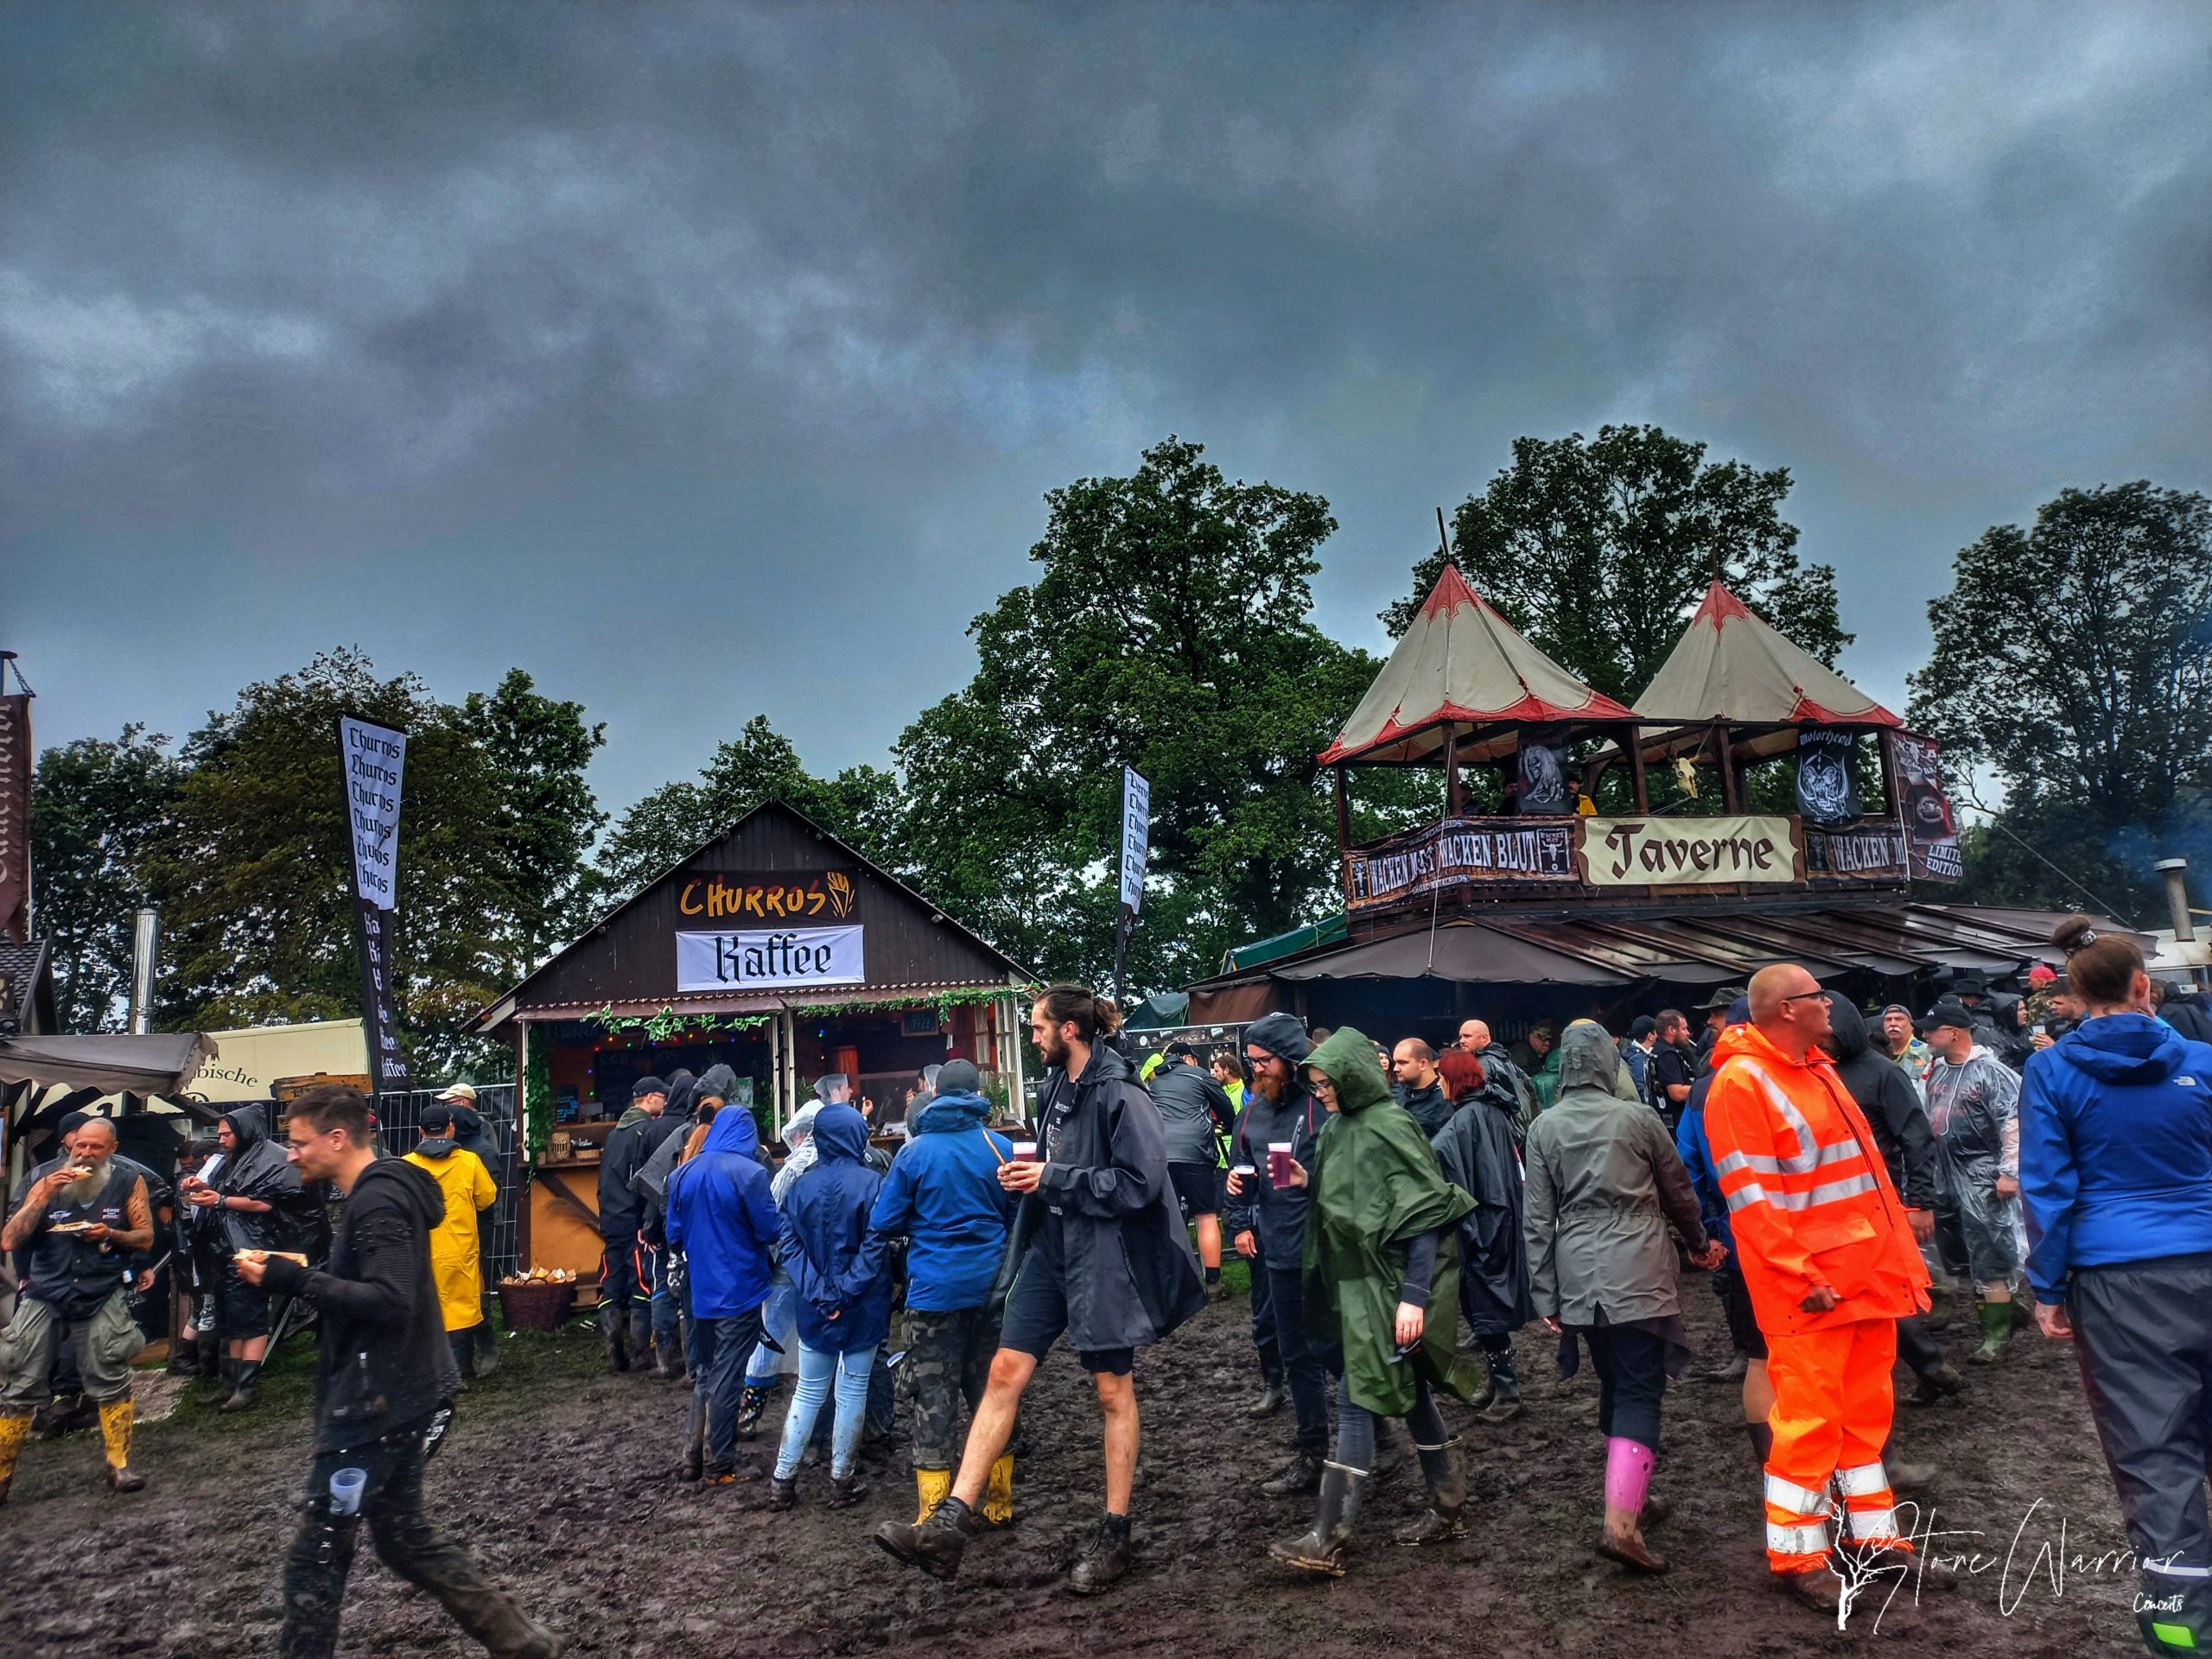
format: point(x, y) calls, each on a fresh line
point(708, 362)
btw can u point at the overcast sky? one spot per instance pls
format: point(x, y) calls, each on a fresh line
point(708, 362)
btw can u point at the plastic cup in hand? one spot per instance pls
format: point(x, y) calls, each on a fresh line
point(1245, 1174)
point(1025, 1152)
point(345, 1486)
point(1279, 1163)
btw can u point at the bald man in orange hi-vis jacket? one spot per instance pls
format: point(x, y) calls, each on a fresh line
point(1829, 1259)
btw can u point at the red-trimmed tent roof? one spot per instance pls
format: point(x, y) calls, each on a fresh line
point(1459, 662)
point(1729, 665)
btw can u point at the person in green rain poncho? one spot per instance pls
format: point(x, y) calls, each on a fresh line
point(1382, 1287)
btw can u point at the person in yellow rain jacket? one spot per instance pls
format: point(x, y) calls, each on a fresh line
point(454, 1255)
point(1829, 1259)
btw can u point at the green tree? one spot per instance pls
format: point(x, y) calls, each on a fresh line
point(97, 808)
point(2073, 660)
point(253, 877)
point(544, 812)
point(1169, 629)
point(1598, 548)
point(861, 804)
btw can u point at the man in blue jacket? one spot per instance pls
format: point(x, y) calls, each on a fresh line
point(944, 1194)
point(722, 1218)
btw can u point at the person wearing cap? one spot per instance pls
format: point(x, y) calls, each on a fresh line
point(1830, 1261)
point(1715, 1010)
point(1906, 1049)
point(943, 1196)
point(1974, 1109)
point(1268, 1225)
point(625, 1316)
point(455, 1247)
point(1194, 1109)
point(472, 1131)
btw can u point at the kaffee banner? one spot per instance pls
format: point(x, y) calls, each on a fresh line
point(765, 959)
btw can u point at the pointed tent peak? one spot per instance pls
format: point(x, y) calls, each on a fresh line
point(1730, 664)
point(1460, 661)
point(1720, 607)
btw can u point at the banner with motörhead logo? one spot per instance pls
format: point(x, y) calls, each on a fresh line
point(372, 760)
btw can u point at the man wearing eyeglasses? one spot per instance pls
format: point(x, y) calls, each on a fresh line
point(1829, 1256)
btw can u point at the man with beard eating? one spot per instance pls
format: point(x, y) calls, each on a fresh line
point(1102, 1256)
point(81, 1224)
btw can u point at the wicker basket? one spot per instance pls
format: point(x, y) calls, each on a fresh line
point(536, 1306)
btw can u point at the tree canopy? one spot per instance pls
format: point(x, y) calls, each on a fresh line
point(1598, 548)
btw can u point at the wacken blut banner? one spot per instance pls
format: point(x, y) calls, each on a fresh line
point(1688, 851)
point(1454, 853)
point(1869, 850)
point(372, 760)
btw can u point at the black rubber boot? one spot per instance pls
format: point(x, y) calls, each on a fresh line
point(245, 1377)
point(184, 1357)
point(225, 1365)
point(1762, 1438)
point(846, 1491)
point(750, 1406)
point(783, 1494)
point(1389, 1451)
point(614, 1328)
point(211, 1354)
point(641, 1339)
point(1935, 1385)
point(1269, 1402)
point(1105, 1560)
point(695, 1443)
point(1322, 1550)
point(935, 1545)
point(1445, 1470)
point(485, 1341)
point(1300, 1478)
point(1503, 1404)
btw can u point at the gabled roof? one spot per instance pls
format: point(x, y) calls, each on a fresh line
point(1731, 666)
point(1460, 661)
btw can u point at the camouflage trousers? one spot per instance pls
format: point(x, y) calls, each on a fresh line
point(947, 1359)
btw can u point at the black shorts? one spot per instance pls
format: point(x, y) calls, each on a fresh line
point(243, 1311)
point(1197, 1188)
point(1037, 1311)
point(1728, 1284)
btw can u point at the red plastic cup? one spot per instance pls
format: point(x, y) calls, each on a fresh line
point(1279, 1163)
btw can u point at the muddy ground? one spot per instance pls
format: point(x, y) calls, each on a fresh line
point(564, 1480)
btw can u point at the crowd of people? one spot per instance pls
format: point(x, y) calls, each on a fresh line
point(1403, 1212)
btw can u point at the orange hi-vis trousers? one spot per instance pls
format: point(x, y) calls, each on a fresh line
point(1833, 1403)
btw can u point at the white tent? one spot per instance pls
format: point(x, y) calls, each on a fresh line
point(1730, 666)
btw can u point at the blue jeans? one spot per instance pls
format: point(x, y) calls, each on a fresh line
point(816, 1367)
point(779, 1319)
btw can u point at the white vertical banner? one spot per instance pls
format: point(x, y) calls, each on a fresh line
point(1136, 837)
point(374, 757)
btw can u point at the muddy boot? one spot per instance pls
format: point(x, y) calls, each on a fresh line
point(245, 1377)
point(845, 1491)
point(679, 1365)
point(223, 1366)
point(998, 1497)
point(1445, 1472)
point(53, 1419)
point(750, 1405)
point(1300, 1478)
point(1503, 1404)
point(641, 1339)
point(1322, 1550)
point(1389, 1452)
point(1996, 1332)
point(1909, 1479)
point(458, 1344)
point(695, 1441)
point(15, 1429)
point(783, 1494)
point(1268, 1403)
point(931, 1484)
point(1105, 1560)
point(316, 1570)
point(1816, 1586)
point(211, 1354)
point(116, 1418)
point(614, 1326)
point(486, 1341)
point(935, 1545)
point(1934, 1386)
point(184, 1355)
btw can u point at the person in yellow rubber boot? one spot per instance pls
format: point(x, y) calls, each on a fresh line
point(943, 1193)
point(78, 1225)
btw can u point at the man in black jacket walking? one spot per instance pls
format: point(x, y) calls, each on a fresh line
point(381, 1376)
point(1102, 1255)
point(625, 1306)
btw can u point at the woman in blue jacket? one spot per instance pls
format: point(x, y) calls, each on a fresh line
point(944, 1194)
point(2116, 1175)
point(843, 1291)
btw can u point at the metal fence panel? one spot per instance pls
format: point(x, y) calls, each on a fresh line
point(400, 1123)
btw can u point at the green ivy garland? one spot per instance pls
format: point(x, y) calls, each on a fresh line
point(537, 1090)
point(669, 1024)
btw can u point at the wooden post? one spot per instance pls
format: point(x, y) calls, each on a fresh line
point(1455, 799)
point(526, 1166)
point(1728, 796)
point(1344, 812)
point(1636, 769)
point(1892, 807)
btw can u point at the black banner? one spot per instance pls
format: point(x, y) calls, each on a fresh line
point(1457, 852)
point(1544, 789)
point(1869, 850)
point(1930, 830)
point(15, 819)
point(1828, 792)
point(371, 760)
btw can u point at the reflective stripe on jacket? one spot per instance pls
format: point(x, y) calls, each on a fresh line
point(1809, 1199)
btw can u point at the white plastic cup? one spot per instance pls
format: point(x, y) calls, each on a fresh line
point(1279, 1162)
point(1025, 1152)
point(346, 1487)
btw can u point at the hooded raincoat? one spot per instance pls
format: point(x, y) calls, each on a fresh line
point(721, 1216)
point(1891, 1104)
point(1374, 1187)
point(262, 1170)
point(1974, 1108)
point(837, 1266)
point(456, 1252)
point(943, 1195)
point(1477, 1152)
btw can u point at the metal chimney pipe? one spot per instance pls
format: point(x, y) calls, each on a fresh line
point(2175, 871)
point(145, 934)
